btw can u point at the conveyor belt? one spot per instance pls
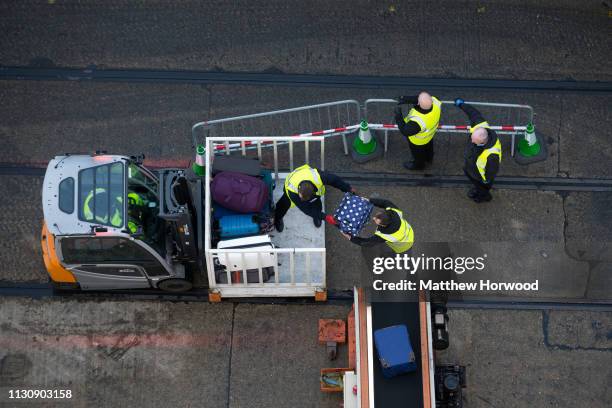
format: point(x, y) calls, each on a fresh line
point(405, 391)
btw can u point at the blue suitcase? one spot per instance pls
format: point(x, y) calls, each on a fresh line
point(394, 350)
point(233, 226)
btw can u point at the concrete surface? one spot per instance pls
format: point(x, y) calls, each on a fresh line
point(224, 355)
point(276, 356)
point(165, 354)
point(482, 39)
point(117, 353)
point(532, 358)
point(562, 240)
point(525, 234)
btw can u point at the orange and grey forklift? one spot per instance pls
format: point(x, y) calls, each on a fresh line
point(110, 223)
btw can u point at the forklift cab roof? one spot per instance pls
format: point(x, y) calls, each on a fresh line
point(83, 191)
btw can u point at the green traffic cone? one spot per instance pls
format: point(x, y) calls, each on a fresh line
point(364, 143)
point(198, 164)
point(529, 146)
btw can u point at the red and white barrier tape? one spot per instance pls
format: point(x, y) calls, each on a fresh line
point(348, 129)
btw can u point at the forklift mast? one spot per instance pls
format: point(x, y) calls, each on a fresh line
point(178, 209)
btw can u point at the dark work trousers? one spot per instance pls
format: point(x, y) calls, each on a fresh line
point(482, 191)
point(422, 154)
point(314, 208)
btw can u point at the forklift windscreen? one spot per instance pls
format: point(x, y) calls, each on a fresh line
point(101, 195)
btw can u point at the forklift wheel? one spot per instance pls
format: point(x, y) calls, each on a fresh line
point(175, 285)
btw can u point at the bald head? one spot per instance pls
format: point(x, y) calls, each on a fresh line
point(425, 101)
point(480, 136)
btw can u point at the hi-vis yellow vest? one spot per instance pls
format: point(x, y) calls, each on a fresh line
point(481, 161)
point(402, 239)
point(427, 121)
point(304, 173)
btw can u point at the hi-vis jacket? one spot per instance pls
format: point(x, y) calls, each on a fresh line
point(402, 239)
point(304, 173)
point(481, 161)
point(427, 121)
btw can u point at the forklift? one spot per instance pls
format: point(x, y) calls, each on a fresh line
point(111, 223)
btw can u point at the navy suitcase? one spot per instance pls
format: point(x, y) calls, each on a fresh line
point(353, 213)
point(394, 350)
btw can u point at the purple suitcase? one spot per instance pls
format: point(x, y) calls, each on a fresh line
point(239, 192)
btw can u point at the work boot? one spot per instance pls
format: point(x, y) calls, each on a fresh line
point(317, 222)
point(279, 224)
point(482, 199)
point(412, 165)
point(472, 193)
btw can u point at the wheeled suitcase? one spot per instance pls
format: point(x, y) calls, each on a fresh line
point(236, 164)
point(394, 350)
point(232, 226)
point(235, 263)
point(353, 213)
point(239, 192)
point(218, 211)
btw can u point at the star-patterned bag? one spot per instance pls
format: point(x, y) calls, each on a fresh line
point(353, 213)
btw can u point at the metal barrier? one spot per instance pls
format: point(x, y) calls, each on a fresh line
point(332, 116)
point(517, 117)
point(286, 280)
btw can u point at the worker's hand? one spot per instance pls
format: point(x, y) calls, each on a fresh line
point(345, 235)
point(459, 102)
point(353, 190)
point(331, 220)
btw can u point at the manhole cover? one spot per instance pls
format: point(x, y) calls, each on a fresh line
point(14, 366)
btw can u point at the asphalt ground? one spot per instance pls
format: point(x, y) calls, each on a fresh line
point(470, 39)
point(41, 119)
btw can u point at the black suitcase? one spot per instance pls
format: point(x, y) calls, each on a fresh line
point(237, 164)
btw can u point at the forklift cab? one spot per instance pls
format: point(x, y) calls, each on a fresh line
point(105, 229)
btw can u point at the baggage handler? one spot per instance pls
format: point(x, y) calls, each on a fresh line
point(392, 229)
point(419, 127)
point(304, 188)
point(483, 154)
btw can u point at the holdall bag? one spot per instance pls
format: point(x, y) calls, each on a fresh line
point(394, 350)
point(239, 192)
point(353, 213)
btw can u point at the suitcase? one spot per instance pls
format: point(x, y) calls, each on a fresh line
point(235, 262)
point(232, 226)
point(353, 213)
point(239, 192)
point(218, 211)
point(394, 350)
point(236, 164)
